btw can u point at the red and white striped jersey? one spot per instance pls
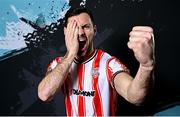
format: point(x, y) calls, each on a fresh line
point(88, 88)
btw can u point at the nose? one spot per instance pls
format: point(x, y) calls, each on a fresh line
point(81, 31)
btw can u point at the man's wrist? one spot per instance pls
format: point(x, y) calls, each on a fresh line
point(149, 66)
point(70, 55)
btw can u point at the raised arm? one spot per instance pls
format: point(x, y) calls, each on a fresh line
point(56, 77)
point(136, 89)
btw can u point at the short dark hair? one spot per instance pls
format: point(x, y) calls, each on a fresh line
point(76, 11)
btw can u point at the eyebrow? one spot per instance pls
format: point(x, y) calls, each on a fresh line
point(86, 25)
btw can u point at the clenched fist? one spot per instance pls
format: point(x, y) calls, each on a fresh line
point(141, 41)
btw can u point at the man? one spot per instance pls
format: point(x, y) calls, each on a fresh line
point(91, 78)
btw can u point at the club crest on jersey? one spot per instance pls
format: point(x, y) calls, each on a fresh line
point(95, 72)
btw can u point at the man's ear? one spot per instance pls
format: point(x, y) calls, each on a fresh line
point(95, 29)
point(65, 29)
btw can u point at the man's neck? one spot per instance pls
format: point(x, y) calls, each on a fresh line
point(81, 59)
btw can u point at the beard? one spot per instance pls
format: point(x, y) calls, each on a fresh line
point(85, 50)
point(81, 52)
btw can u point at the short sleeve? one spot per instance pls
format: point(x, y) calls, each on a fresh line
point(115, 66)
point(53, 64)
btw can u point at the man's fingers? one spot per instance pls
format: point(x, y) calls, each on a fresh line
point(137, 39)
point(71, 28)
point(144, 34)
point(69, 25)
point(143, 28)
point(132, 45)
point(74, 24)
point(76, 32)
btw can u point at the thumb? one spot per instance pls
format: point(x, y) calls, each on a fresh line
point(129, 44)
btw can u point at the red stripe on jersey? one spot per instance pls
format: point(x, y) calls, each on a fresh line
point(97, 98)
point(81, 99)
point(109, 70)
point(67, 99)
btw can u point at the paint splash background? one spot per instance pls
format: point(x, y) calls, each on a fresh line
point(37, 13)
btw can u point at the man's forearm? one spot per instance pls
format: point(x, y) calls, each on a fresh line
point(141, 84)
point(54, 79)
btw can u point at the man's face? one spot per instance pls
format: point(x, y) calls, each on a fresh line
point(86, 33)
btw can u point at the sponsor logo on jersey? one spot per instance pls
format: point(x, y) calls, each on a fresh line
point(83, 93)
point(95, 73)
